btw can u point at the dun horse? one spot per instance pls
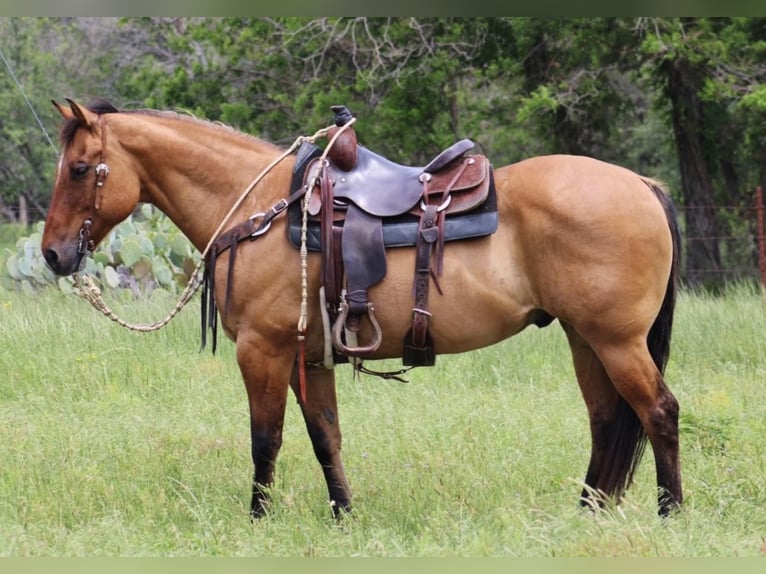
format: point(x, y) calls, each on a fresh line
point(588, 243)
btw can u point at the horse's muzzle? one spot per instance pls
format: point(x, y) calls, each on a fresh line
point(63, 261)
point(70, 256)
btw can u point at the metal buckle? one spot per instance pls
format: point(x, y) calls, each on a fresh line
point(442, 207)
point(422, 312)
point(263, 228)
point(101, 169)
point(280, 206)
point(84, 244)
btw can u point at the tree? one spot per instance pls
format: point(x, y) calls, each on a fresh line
point(708, 70)
point(45, 59)
point(607, 87)
point(278, 77)
point(27, 156)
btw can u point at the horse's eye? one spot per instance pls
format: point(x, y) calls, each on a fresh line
point(80, 169)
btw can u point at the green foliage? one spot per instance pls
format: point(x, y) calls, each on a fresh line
point(25, 267)
point(539, 103)
point(27, 157)
point(144, 253)
point(755, 101)
point(11, 232)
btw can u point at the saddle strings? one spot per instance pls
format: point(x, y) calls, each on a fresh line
point(86, 288)
point(302, 320)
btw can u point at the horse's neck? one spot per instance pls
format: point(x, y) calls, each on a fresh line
point(195, 172)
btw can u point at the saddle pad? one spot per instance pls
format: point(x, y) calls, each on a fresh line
point(402, 230)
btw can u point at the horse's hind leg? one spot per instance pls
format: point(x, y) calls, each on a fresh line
point(602, 402)
point(637, 378)
point(627, 401)
point(320, 411)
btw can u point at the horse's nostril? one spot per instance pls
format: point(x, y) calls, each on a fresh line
point(51, 257)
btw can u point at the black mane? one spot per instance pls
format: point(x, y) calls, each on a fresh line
point(101, 106)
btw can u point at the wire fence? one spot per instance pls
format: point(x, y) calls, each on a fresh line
point(740, 249)
point(735, 252)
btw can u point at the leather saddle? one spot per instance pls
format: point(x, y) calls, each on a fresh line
point(383, 188)
point(362, 203)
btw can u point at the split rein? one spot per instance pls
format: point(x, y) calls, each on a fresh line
point(86, 288)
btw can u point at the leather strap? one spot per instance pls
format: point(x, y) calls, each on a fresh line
point(445, 199)
point(427, 239)
point(250, 229)
point(329, 278)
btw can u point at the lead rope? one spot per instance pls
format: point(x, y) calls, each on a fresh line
point(88, 290)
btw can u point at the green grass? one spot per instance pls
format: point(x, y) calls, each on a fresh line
point(120, 443)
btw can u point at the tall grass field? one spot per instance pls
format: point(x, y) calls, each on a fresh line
point(116, 443)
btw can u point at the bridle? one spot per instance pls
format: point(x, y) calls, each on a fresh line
point(85, 244)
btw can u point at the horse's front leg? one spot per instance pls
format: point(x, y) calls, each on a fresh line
point(266, 375)
point(320, 411)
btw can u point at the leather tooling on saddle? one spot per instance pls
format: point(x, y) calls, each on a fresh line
point(363, 204)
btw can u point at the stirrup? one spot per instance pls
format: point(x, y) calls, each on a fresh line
point(339, 327)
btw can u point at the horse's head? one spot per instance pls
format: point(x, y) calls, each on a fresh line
point(93, 191)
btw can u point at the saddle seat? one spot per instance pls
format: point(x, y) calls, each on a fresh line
point(383, 188)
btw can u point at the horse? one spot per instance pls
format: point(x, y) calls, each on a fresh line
point(588, 243)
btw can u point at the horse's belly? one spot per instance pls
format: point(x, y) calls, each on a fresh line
point(480, 299)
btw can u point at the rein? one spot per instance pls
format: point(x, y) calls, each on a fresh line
point(88, 290)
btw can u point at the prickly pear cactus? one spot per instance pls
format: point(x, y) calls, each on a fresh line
point(144, 253)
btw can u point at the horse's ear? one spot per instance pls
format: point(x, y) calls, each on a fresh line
point(87, 118)
point(66, 113)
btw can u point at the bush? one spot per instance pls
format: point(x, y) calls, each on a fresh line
point(144, 253)
point(11, 232)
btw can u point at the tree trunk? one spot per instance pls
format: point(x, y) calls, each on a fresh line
point(703, 257)
point(23, 211)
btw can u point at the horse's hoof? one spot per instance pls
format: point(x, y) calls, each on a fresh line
point(340, 511)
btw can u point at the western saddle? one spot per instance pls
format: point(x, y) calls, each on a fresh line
point(362, 204)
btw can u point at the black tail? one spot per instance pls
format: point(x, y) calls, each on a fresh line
point(659, 334)
point(629, 438)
